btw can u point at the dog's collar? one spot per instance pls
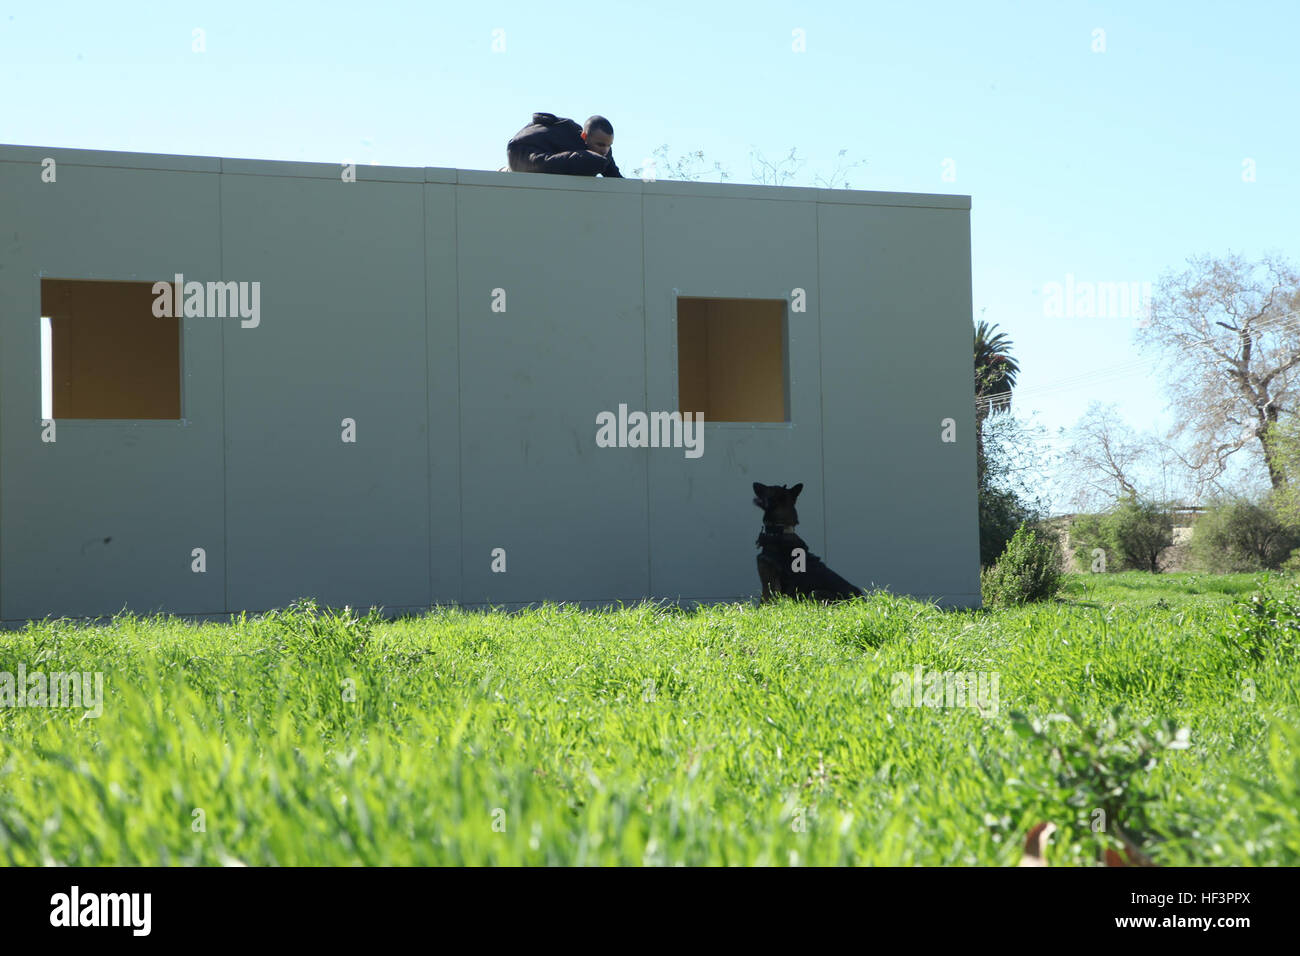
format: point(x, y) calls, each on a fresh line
point(777, 528)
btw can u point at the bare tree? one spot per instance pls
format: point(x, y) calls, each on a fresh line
point(1108, 460)
point(1231, 337)
point(690, 167)
point(768, 173)
point(1105, 455)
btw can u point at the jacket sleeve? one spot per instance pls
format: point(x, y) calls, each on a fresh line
point(576, 163)
point(611, 171)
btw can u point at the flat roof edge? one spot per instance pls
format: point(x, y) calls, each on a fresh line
point(13, 153)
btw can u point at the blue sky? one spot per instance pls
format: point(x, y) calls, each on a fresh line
point(1109, 166)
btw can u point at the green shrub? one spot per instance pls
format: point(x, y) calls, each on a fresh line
point(1001, 512)
point(1102, 771)
point(1132, 535)
point(1266, 626)
point(1138, 530)
point(1276, 798)
point(1086, 535)
point(1029, 570)
point(1235, 536)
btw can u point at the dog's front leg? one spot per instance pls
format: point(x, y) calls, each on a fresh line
point(769, 576)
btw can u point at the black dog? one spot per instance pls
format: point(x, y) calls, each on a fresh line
point(785, 565)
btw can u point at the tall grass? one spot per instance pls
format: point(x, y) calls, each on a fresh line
point(648, 735)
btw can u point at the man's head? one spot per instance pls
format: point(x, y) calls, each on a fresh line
point(598, 134)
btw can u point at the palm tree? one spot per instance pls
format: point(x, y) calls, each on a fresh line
point(995, 377)
point(995, 369)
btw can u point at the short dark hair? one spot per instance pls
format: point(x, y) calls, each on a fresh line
point(598, 123)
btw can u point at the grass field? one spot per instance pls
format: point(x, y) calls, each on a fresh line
point(734, 735)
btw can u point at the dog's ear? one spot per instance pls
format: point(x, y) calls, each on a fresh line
point(759, 490)
point(794, 492)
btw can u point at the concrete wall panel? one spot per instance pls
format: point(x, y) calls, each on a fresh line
point(342, 335)
point(896, 362)
point(570, 517)
point(106, 516)
point(702, 520)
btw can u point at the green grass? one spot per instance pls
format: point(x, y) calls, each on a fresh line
point(1141, 589)
point(732, 735)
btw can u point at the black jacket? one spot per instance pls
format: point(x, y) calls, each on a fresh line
point(552, 144)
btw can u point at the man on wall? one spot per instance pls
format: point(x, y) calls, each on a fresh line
point(552, 144)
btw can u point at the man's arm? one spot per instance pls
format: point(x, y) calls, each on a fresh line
point(611, 172)
point(581, 162)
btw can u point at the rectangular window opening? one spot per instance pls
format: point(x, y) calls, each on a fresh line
point(105, 355)
point(732, 359)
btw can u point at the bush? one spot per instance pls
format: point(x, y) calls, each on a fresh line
point(1010, 478)
point(1107, 767)
point(1029, 570)
point(1086, 535)
point(1132, 535)
point(1001, 513)
point(1242, 536)
point(1266, 627)
point(1138, 531)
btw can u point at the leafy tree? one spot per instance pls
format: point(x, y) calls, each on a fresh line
point(1016, 464)
point(1283, 440)
point(1008, 454)
point(995, 378)
point(1240, 535)
point(1132, 535)
point(1137, 531)
point(1086, 536)
point(1001, 512)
